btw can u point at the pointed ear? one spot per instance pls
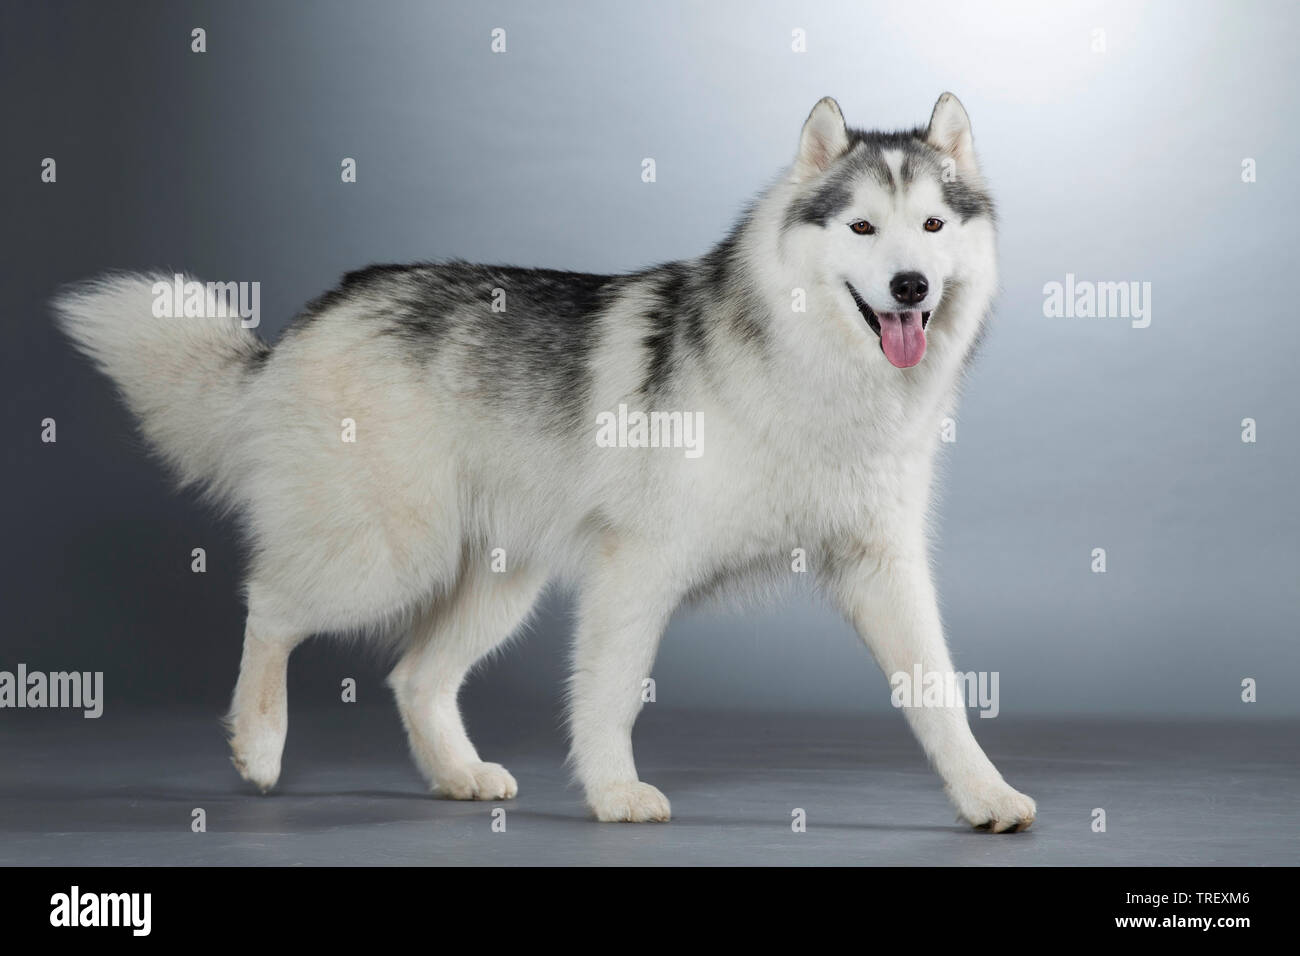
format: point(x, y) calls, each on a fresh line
point(949, 133)
point(823, 139)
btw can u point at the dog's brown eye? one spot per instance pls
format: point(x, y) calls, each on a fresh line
point(862, 227)
point(933, 225)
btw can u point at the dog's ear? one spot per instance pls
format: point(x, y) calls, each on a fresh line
point(949, 133)
point(823, 139)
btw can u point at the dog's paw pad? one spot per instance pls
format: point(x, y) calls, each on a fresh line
point(634, 802)
point(477, 781)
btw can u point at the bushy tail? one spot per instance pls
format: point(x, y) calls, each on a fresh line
point(184, 378)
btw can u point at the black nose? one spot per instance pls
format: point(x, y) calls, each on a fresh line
point(909, 288)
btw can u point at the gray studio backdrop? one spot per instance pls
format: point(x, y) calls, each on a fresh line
point(1114, 164)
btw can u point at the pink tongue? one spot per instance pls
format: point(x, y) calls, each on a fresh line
point(902, 337)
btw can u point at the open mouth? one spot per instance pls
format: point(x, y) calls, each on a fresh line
point(902, 334)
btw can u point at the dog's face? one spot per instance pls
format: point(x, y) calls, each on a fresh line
point(888, 221)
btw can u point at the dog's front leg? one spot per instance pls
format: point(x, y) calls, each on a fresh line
point(622, 611)
point(889, 597)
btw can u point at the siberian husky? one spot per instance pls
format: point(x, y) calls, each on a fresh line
point(427, 446)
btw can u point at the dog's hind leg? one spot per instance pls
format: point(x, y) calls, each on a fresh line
point(259, 712)
point(481, 612)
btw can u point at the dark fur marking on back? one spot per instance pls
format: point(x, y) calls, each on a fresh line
point(664, 320)
point(536, 350)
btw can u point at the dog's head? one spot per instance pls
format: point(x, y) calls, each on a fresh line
point(887, 222)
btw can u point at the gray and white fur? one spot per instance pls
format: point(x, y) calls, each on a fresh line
point(475, 430)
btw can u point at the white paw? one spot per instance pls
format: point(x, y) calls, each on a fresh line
point(476, 781)
point(994, 806)
point(257, 758)
point(634, 802)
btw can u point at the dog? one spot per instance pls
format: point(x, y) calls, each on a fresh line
point(647, 439)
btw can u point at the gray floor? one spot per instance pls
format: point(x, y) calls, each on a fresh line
point(121, 791)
